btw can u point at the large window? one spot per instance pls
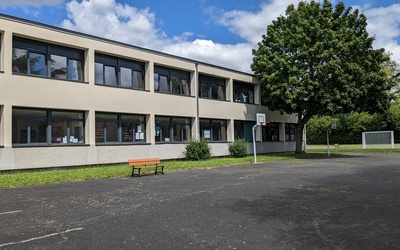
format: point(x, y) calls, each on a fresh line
point(290, 130)
point(37, 126)
point(120, 128)
point(47, 60)
point(212, 87)
point(118, 72)
point(270, 132)
point(172, 129)
point(213, 130)
point(243, 92)
point(171, 81)
point(244, 130)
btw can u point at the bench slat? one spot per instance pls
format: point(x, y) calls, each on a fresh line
point(144, 161)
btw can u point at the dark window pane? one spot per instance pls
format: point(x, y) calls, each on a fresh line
point(100, 132)
point(110, 76)
point(185, 87)
point(176, 85)
point(205, 90)
point(20, 61)
point(76, 132)
point(128, 131)
point(111, 132)
point(38, 131)
point(59, 132)
point(156, 82)
point(221, 92)
point(138, 82)
point(58, 67)
point(37, 64)
point(75, 70)
point(126, 78)
point(164, 85)
point(99, 73)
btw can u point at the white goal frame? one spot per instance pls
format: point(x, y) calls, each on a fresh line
point(364, 141)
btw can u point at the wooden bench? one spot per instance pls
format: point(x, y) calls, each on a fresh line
point(141, 163)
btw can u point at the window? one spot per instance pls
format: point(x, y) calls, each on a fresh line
point(120, 128)
point(46, 60)
point(270, 132)
point(243, 92)
point(118, 72)
point(172, 129)
point(244, 130)
point(290, 132)
point(212, 87)
point(37, 126)
point(171, 81)
point(213, 130)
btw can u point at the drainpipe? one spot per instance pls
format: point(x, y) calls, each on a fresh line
point(197, 101)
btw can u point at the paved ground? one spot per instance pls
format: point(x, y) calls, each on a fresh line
point(351, 202)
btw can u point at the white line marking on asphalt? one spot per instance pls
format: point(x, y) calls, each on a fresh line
point(40, 237)
point(11, 212)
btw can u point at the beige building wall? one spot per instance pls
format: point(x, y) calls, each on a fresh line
point(48, 93)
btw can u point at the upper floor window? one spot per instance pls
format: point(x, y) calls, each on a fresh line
point(118, 72)
point(243, 92)
point(46, 60)
point(172, 129)
point(290, 130)
point(213, 130)
point(120, 128)
point(171, 81)
point(270, 132)
point(39, 126)
point(212, 87)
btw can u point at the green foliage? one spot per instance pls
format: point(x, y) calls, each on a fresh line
point(319, 60)
point(238, 148)
point(197, 150)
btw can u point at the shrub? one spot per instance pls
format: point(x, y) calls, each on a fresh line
point(197, 150)
point(238, 148)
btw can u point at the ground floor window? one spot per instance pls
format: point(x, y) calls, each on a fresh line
point(213, 130)
point(120, 128)
point(172, 129)
point(244, 130)
point(290, 130)
point(270, 132)
point(40, 126)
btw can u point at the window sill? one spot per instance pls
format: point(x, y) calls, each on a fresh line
point(122, 144)
point(211, 99)
point(32, 145)
point(170, 142)
point(118, 87)
point(166, 93)
point(49, 78)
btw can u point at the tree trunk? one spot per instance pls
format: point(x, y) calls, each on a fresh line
point(299, 137)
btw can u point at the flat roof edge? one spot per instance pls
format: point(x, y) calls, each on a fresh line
point(93, 37)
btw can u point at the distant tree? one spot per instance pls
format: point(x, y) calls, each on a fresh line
point(319, 60)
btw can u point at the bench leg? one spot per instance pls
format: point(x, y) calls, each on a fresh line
point(157, 171)
point(133, 171)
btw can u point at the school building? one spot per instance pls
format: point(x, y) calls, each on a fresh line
point(68, 98)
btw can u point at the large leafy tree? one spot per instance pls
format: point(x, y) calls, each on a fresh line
point(319, 60)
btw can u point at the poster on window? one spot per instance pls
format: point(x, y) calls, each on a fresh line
point(207, 134)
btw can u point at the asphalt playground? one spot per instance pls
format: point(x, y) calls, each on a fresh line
point(346, 202)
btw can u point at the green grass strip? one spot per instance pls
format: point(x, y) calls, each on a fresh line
point(18, 178)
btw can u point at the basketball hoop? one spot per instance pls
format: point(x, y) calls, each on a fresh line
point(263, 123)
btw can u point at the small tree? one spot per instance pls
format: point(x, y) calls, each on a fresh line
point(238, 148)
point(197, 150)
point(317, 60)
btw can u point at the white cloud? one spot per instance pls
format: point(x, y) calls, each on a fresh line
point(384, 23)
point(106, 18)
point(25, 3)
point(252, 25)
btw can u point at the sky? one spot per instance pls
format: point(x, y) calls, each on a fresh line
point(219, 32)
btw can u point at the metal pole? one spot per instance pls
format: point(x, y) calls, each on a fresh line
point(254, 143)
point(327, 140)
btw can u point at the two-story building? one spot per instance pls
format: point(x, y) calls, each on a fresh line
point(68, 98)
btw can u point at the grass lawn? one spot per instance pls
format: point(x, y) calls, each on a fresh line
point(19, 178)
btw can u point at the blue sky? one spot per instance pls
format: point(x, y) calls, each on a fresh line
point(220, 32)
